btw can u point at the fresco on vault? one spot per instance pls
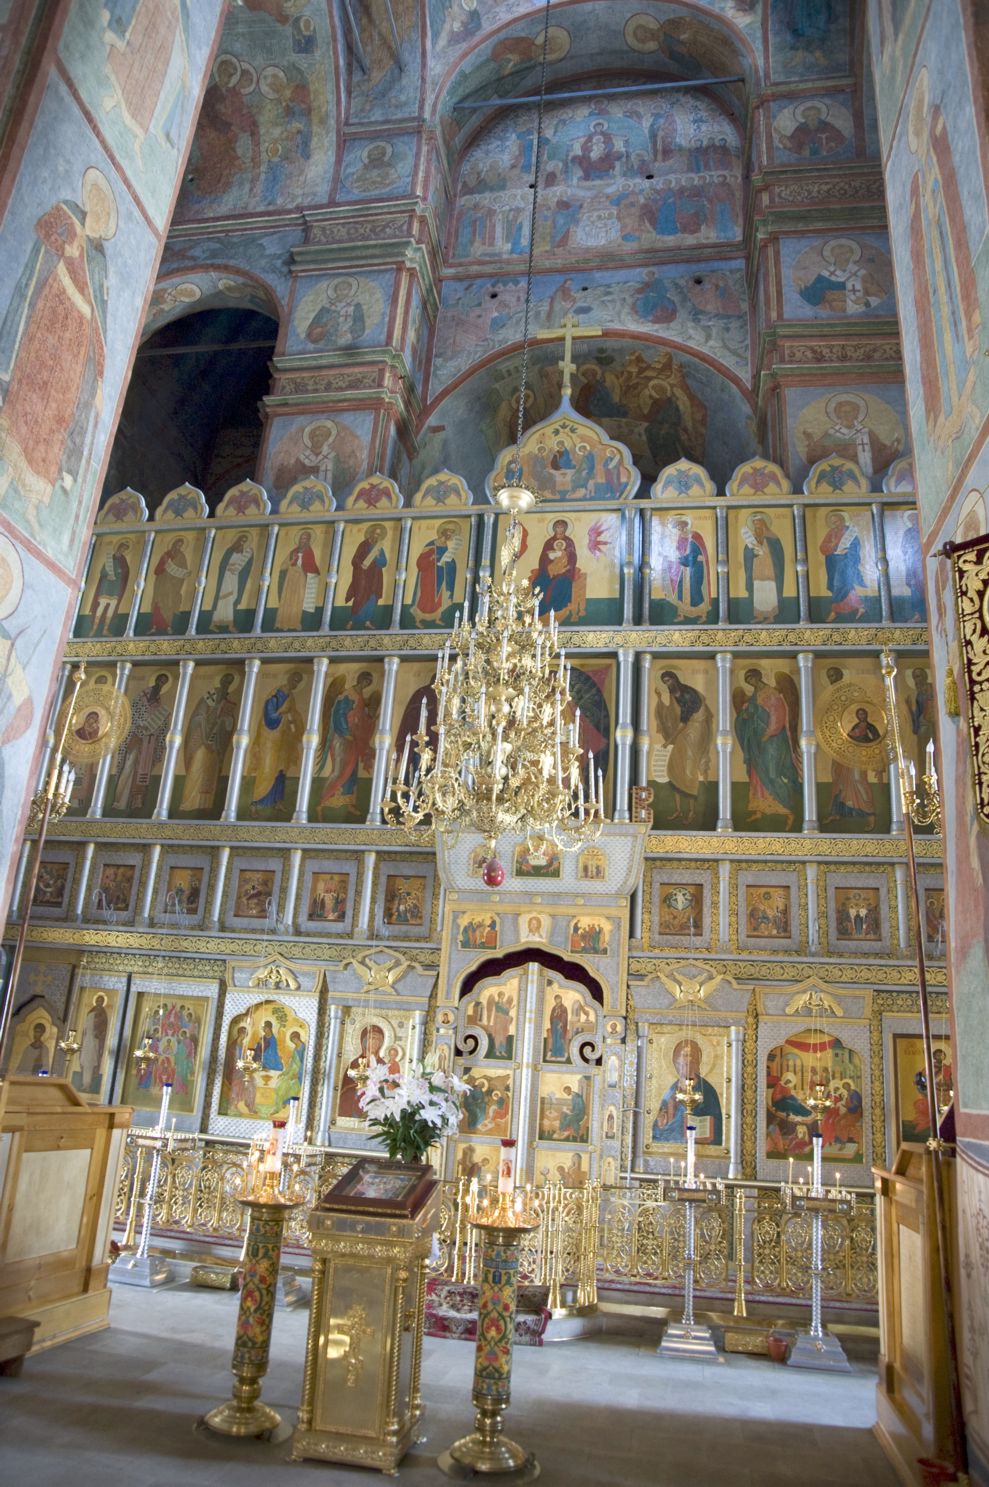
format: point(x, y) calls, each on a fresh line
point(480, 316)
point(70, 300)
point(265, 135)
point(377, 167)
point(597, 191)
point(937, 194)
point(138, 85)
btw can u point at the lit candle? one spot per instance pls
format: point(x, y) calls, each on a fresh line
point(789, 1175)
point(930, 756)
point(506, 1166)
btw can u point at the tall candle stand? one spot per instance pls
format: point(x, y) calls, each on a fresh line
point(689, 1338)
point(486, 1450)
point(142, 1268)
point(817, 1348)
point(267, 1208)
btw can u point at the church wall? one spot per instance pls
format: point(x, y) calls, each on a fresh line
point(93, 158)
point(931, 94)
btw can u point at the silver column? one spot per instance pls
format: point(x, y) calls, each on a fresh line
point(241, 739)
point(310, 741)
point(173, 741)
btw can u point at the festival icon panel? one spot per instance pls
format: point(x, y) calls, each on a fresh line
point(590, 934)
point(278, 1038)
point(477, 931)
point(365, 590)
point(487, 1105)
point(232, 583)
point(915, 1114)
point(274, 751)
point(842, 566)
point(767, 766)
point(762, 566)
point(170, 585)
point(682, 757)
point(683, 555)
point(805, 1058)
point(567, 458)
point(341, 785)
point(176, 1027)
point(298, 579)
point(564, 1108)
point(109, 588)
point(437, 573)
point(203, 766)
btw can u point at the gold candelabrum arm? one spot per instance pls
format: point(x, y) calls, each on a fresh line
point(923, 806)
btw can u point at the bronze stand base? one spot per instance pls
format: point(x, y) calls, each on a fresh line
point(519, 1465)
point(246, 1420)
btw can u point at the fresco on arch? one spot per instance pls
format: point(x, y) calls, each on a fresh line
point(602, 157)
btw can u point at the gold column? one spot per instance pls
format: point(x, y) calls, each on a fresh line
point(244, 1414)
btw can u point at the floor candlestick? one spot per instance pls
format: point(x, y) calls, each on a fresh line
point(486, 1450)
point(244, 1414)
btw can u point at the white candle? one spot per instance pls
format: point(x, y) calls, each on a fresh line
point(691, 1154)
point(506, 1167)
point(166, 1095)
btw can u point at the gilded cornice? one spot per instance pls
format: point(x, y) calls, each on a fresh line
point(226, 948)
point(662, 845)
point(794, 968)
point(655, 640)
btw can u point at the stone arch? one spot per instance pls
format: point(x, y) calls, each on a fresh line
point(719, 404)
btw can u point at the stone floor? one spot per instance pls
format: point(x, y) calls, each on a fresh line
point(118, 1410)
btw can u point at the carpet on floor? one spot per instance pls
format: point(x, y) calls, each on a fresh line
point(451, 1311)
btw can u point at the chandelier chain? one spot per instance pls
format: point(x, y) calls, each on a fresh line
point(516, 476)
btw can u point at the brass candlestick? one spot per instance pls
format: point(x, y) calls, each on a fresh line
point(244, 1414)
point(486, 1450)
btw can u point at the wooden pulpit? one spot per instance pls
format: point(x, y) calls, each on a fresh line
point(59, 1166)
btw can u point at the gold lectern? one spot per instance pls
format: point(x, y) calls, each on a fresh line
point(371, 1237)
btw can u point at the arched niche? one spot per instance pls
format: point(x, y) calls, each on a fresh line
point(654, 41)
point(663, 401)
point(192, 410)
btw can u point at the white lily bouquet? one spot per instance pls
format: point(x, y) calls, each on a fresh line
point(408, 1112)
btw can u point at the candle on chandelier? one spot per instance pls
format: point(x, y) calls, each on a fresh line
point(789, 1174)
point(405, 756)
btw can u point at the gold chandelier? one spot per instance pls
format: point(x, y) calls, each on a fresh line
point(505, 756)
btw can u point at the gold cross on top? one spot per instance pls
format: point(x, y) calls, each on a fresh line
point(568, 366)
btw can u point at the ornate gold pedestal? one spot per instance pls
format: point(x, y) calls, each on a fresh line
point(360, 1392)
point(486, 1450)
point(244, 1414)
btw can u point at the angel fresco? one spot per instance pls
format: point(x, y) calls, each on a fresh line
point(767, 722)
point(350, 712)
